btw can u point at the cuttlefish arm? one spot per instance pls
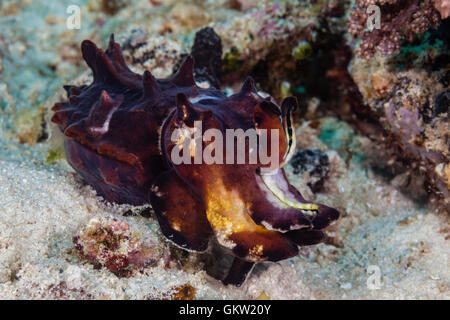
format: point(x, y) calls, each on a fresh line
point(240, 269)
point(319, 216)
point(228, 214)
point(180, 212)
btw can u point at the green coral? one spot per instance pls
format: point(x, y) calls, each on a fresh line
point(339, 136)
point(29, 124)
point(424, 51)
point(232, 61)
point(299, 90)
point(302, 51)
point(54, 155)
point(285, 89)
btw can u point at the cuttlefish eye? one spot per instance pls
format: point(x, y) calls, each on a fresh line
point(268, 115)
point(288, 107)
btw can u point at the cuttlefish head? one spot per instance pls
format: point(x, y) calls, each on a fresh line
point(232, 152)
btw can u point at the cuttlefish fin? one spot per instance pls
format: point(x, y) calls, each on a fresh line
point(181, 214)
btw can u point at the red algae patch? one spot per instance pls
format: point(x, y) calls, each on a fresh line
point(111, 242)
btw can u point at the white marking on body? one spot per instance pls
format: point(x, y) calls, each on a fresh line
point(105, 127)
point(202, 97)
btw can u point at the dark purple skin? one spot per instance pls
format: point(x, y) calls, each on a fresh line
point(117, 137)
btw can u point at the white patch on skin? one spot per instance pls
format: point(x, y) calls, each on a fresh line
point(184, 247)
point(280, 189)
point(267, 225)
point(202, 97)
point(155, 190)
point(255, 95)
point(105, 127)
point(309, 214)
point(169, 239)
point(298, 227)
point(160, 130)
point(271, 197)
point(223, 239)
point(293, 227)
point(333, 222)
point(203, 84)
point(176, 226)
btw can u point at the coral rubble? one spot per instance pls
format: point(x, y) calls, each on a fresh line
point(315, 163)
point(399, 20)
point(207, 54)
point(111, 243)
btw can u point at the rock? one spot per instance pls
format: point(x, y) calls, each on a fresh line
point(207, 53)
point(441, 103)
point(381, 84)
point(314, 162)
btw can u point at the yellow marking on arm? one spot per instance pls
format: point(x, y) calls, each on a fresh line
point(289, 201)
point(256, 251)
point(227, 212)
point(295, 204)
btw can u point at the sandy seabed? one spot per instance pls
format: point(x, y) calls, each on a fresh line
point(382, 232)
point(385, 245)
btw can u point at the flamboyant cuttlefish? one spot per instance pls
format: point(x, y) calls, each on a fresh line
point(118, 137)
